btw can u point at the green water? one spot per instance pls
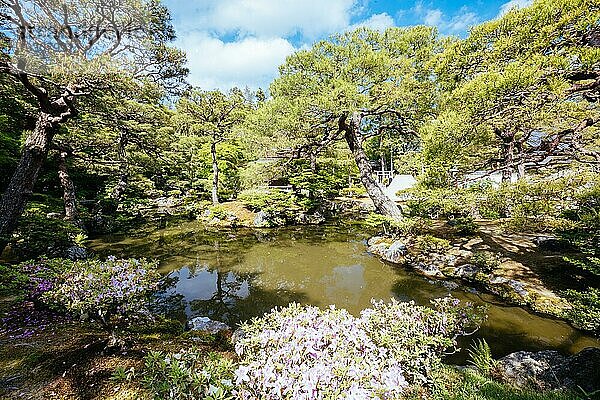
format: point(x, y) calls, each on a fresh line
point(234, 275)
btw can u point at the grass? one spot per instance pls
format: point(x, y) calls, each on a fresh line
point(68, 361)
point(470, 385)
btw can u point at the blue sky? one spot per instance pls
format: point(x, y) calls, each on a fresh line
point(242, 42)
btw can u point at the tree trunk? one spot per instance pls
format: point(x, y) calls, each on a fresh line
point(69, 196)
point(507, 171)
point(508, 149)
point(215, 168)
point(382, 203)
point(23, 180)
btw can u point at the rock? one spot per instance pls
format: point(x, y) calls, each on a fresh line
point(498, 280)
point(76, 253)
point(375, 240)
point(395, 253)
point(518, 287)
point(428, 270)
point(581, 370)
point(310, 219)
point(54, 215)
point(237, 335)
point(473, 242)
point(465, 271)
point(450, 285)
point(525, 368)
point(206, 324)
point(552, 243)
point(551, 370)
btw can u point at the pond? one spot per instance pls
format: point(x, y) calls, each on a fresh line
point(235, 275)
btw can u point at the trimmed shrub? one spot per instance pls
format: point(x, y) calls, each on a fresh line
point(114, 292)
point(305, 352)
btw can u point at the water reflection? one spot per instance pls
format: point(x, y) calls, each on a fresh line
point(233, 276)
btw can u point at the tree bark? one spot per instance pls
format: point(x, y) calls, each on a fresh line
point(69, 195)
point(353, 137)
point(508, 150)
point(23, 180)
point(215, 168)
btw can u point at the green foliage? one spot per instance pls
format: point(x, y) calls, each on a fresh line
point(464, 225)
point(113, 292)
point(13, 281)
point(279, 207)
point(480, 356)
point(469, 385)
point(428, 243)
point(188, 375)
point(403, 227)
point(121, 374)
point(585, 310)
point(354, 192)
point(445, 203)
point(39, 234)
point(511, 80)
point(486, 260)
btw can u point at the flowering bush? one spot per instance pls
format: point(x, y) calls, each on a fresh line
point(302, 352)
point(188, 375)
point(113, 292)
point(28, 282)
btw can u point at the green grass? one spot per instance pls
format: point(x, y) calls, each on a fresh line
point(469, 385)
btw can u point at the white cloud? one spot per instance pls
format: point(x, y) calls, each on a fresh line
point(379, 22)
point(271, 18)
point(506, 7)
point(433, 17)
point(462, 22)
point(458, 23)
point(216, 64)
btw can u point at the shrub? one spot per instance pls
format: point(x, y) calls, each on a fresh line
point(31, 279)
point(280, 207)
point(354, 192)
point(485, 260)
point(188, 374)
point(480, 356)
point(403, 227)
point(464, 225)
point(38, 234)
point(305, 352)
point(585, 310)
point(443, 203)
point(114, 292)
point(428, 243)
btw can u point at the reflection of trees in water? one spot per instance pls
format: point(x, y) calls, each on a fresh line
point(236, 298)
point(166, 302)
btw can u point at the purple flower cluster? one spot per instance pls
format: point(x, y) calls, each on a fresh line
point(302, 352)
point(306, 353)
point(111, 291)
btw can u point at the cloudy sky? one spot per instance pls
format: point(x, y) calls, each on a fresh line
point(242, 42)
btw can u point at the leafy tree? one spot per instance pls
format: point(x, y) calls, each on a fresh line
point(353, 87)
point(211, 116)
point(521, 89)
point(65, 51)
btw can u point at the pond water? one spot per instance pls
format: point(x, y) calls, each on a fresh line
point(235, 275)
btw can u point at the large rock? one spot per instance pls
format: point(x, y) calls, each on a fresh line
point(76, 253)
point(395, 253)
point(552, 243)
point(524, 368)
point(206, 324)
point(551, 370)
